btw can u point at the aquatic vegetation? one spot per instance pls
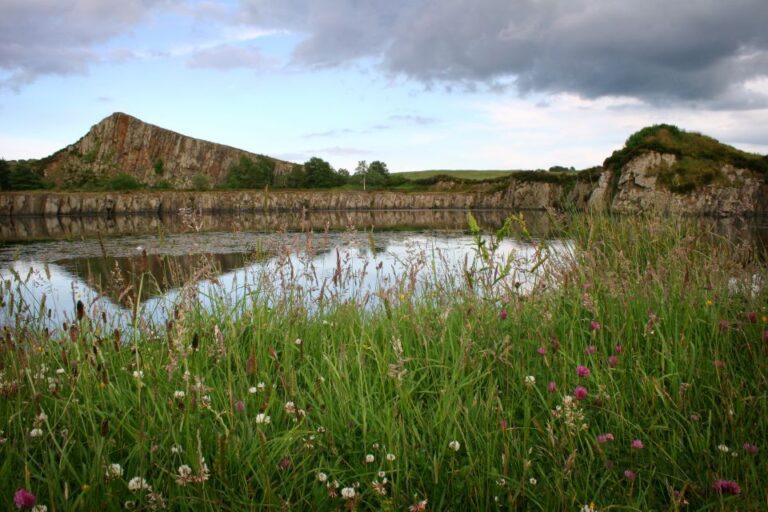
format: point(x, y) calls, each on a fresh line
point(597, 388)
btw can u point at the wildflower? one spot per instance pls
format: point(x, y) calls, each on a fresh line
point(179, 395)
point(137, 483)
point(298, 342)
point(719, 364)
point(420, 506)
point(503, 314)
point(752, 317)
point(554, 343)
point(551, 386)
point(24, 499)
point(530, 380)
point(588, 508)
point(618, 349)
point(751, 449)
point(723, 448)
point(138, 374)
point(726, 487)
point(240, 406)
point(261, 386)
point(613, 361)
point(322, 477)
point(185, 472)
point(348, 493)
point(580, 393)
point(379, 487)
point(263, 419)
point(290, 408)
point(454, 445)
point(709, 302)
point(590, 350)
point(582, 371)
point(604, 438)
point(594, 325)
point(630, 475)
point(40, 508)
point(637, 444)
point(252, 390)
point(114, 471)
point(321, 430)
point(694, 417)
point(61, 371)
point(532, 481)
point(284, 463)
point(390, 457)
point(36, 432)
point(541, 351)
point(176, 449)
point(369, 458)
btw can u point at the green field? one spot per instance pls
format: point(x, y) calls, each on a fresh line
point(462, 174)
point(633, 376)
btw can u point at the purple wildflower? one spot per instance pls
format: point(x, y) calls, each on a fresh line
point(580, 393)
point(726, 487)
point(637, 444)
point(541, 351)
point(240, 406)
point(618, 349)
point(751, 449)
point(594, 325)
point(582, 371)
point(752, 317)
point(503, 314)
point(630, 475)
point(551, 387)
point(604, 438)
point(590, 350)
point(613, 361)
point(24, 499)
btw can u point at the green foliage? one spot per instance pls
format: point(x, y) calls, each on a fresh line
point(200, 182)
point(699, 158)
point(5, 175)
point(319, 174)
point(247, 173)
point(24, 175)
point(85, 178)
point(159, 167)
point(163, 185)
point(123, 181)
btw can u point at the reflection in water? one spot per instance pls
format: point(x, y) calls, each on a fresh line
point(305, 269)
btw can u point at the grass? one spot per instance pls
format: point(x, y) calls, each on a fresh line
point(445, 395)
point(461, 174)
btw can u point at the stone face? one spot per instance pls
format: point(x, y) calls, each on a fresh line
point(122, 143)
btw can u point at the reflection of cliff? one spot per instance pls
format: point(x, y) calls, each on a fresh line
point(30, 228)
point(121, 278)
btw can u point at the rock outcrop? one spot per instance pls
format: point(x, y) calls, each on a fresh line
point(122, 143)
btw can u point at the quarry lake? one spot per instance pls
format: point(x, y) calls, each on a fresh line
point(136, 269)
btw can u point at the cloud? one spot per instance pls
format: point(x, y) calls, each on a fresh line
point(229, 56)
point(59, 37)
point(327, 152)
point(413, 119)
point(399, 119)
point(659, 51)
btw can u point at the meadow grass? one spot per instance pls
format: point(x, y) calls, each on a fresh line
point(631, 377)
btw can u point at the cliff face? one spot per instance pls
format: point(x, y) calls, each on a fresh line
point(736, 191)
point(121, 143)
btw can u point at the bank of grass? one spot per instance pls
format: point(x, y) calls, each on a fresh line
point(460, 397)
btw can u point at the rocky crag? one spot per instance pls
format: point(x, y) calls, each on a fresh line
point(122, 143)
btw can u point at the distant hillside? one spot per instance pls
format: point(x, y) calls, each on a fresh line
point(461, 174)
point(122, 144)
point(699, 158)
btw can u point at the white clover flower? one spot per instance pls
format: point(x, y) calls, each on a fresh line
point(179, 394)
point(42, 417)
point(369, 458)
point(348, 493)
point(137, 483)
point(252, 390)
point(290, 408)
point(530, 380)
point(36, 432)
point(138, 374)
point(261, 386)
point(40, 508)
point(262, 418)
point(176, 449)
point(382, 474)
point(298, 342)
point(61, 371)
point(532, 481)
point(390, 457)
point(723, 448)
point(322, 477)
point(206, 399)
point(114, 471)
point(184, 471)
point(454, 445)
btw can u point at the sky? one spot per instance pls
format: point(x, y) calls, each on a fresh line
point(418, 84)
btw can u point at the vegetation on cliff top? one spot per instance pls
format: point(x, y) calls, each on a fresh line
point(699, 158)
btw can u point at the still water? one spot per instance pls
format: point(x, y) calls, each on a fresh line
point(138, 269)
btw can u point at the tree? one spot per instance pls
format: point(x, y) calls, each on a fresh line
point(247, 173)
point(378, 174)
point(5, 175)
point(24, 177)
point(320, 174)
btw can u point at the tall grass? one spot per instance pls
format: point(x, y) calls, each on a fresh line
point(463, 397)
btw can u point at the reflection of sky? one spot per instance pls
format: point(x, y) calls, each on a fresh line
point(401, 263)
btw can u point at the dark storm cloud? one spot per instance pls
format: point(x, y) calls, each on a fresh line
point(658, 50)
point(42, 37)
